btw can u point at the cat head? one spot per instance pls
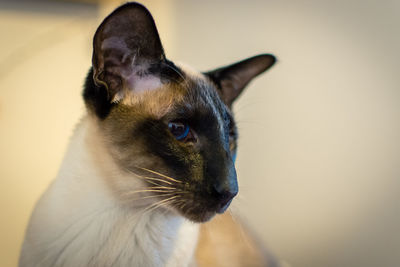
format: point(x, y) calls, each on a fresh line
point(167, 125)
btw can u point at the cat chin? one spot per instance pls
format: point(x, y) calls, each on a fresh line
point(201, 214)
point(201, 217)
point(196, 217)
point(205, 216)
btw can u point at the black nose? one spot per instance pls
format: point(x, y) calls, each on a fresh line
point(225, 191)
point(224, 200)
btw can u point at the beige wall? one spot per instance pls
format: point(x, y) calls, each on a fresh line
point(319, 151)
point(43, 60)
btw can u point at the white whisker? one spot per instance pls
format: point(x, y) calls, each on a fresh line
point(160, 174)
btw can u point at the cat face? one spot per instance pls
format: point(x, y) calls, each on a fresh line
point(167, 125)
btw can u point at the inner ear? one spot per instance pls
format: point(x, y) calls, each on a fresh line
point(232, 79)
point(127, 52)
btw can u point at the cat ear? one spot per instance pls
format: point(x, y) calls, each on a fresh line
point(126, 49)
point(232, 79)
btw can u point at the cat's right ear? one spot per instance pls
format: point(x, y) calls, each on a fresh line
point(126, 47)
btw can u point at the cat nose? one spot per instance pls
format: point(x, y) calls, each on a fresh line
point(226, 190)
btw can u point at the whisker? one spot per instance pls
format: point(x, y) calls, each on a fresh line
point(172, 190)
point(146, 190)
point(160, 174)
point(153, 183)
point(174, 202)
point(158, 204)
point(149, 178)
point(152, 196)
point(163, 187)
point(155, 179)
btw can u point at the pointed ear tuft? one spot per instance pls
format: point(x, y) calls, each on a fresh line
point(126, 45)
point(232, 79)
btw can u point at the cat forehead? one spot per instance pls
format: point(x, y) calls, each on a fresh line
point(194, 91)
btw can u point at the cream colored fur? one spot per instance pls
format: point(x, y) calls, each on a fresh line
point(80, 221)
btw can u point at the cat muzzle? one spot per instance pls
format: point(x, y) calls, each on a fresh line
point(225, 192)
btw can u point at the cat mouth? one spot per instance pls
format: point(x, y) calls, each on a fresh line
point(224, 206)
point(203, 211)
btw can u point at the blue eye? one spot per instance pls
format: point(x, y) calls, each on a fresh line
point(179, 129)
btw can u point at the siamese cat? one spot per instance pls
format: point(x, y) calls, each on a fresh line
point(151, 161)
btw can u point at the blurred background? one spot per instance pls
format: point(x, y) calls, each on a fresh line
point(319, 152)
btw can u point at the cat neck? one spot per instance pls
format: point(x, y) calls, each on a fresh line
point(80, 222)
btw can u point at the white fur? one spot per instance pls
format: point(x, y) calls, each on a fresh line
point(79, 221)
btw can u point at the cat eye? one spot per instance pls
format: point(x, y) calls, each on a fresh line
point(179, 130)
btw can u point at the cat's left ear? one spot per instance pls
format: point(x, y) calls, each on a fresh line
point(232, 79)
